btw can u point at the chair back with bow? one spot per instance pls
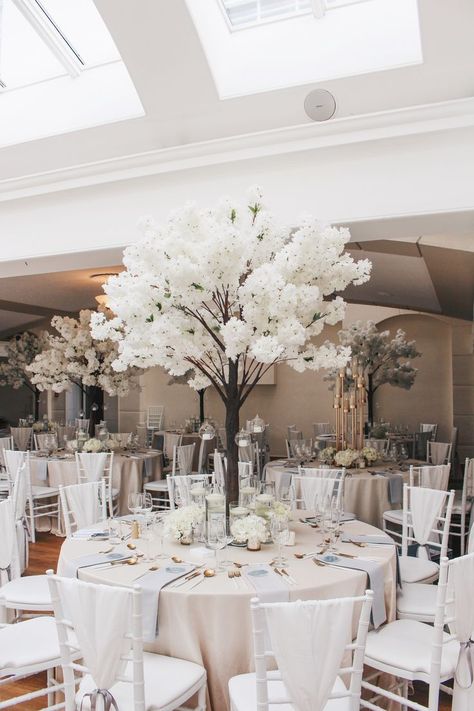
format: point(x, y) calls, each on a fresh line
point(106, 624)
point(438, 452)
point(432, 429)
point(426, 518)
point(45, 440)
point(183, 456)
point(83, 505)
point(430, 476)
point(96, 466)
point(311, 486)
point(321, 631)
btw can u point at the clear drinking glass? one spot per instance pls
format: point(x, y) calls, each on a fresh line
point(135, 502)
point(158, 527)
point(330, 523)
point(279, 528)
point(217, 538)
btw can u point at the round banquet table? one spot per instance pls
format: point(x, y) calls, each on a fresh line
point(210, 624)
point(129, 471)
point(365, 494)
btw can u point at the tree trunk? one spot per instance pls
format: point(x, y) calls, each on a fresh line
point(94, 396)
point(370, 400)
point(36, 397)
point(231, 429)
point(201, 394)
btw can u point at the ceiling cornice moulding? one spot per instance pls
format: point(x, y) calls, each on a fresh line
point(444, 116)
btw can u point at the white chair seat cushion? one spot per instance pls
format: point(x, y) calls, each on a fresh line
point(417, 601)
point(166, 681)
point(30, 642)
point(395, 516)
point(30, 590)
point(157, 485)
point(243, 695)
point(40, 492)
point(406, 645)
point(416, 570)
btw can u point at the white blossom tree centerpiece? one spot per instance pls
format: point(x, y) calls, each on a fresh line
point(226, 293)
point(75, 356)
point(384, 360)
point(22, 349)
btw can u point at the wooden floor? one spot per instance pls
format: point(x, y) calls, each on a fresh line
point(43, 555)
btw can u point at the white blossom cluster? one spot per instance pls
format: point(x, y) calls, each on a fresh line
point(76, 356)
point(229, 283)
point(21, 351)
point(181, 522)
point(346, 457)
point(249, 528)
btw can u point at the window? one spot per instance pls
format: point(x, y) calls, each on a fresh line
point(246, 13)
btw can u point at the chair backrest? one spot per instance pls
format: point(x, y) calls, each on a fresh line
point(251, 454)
point(65, 433)
point(14, 459)
point(380, 445)
point(432, 429)
point(426, 518)
point(321, 631)
point(5, 443)
point(45, 439)
point(22, 437)
point(121, 437)
point(183, 459)
point(431, 476)
point(421, 445)
point(112, 651)
point(438, 452)
point(9, 555)
point(220, 467)
point(204, 450)
point(317, 484)
point(96, 466)
point(82, 424)
point(83, 505)
point(180, 486)
point(294, 432)
point(154, 417)
point(321, 428)
point(21, 492)
point(170, 441)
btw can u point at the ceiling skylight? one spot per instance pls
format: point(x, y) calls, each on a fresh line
point(59, 63)
point(254, 46)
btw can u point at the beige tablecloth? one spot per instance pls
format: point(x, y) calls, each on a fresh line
point(365, 494)
point(211, 623)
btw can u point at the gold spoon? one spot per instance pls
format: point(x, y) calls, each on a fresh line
point(107, 550)
point(209, 573)
point(132, 546)
point(132, 561)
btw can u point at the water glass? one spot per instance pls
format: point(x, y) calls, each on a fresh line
point(135, 502)
point(217, 538)
point(279, 527)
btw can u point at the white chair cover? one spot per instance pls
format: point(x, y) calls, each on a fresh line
point(21, 436)
point(19, 498)
point(425, 507)
point(13, 461)
point(83, 501)
point(220, 464)
point(170, 441)
point(439, 452)
point(184, 456)
point(45, 438)
point(322, 629)
point(9, 560)
point(435, 477)
point(5, 443)
point(93, 464)
point(461, 591)
point(313, 487)
point(100, 615)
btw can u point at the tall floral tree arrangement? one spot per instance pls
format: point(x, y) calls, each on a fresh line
point(21, 351)
point(75, 356)
point(227, 292)
point(385, 360)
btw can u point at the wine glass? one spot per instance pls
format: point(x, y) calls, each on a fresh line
point(279, 527)
point(330, 523)
point(217, 538)
point(135, 501)
point(158, 528)
point(146, 507)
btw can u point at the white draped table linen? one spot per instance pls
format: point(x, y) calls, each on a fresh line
point(310, 668)
point(460, 589)
point(210, 624)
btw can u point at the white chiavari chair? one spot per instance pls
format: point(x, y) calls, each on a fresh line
point(182, 462)
point(180, 488)
point(22, 437)
point(95, 466)
point(44, 440)
point(251, 453)
point(311, 484)
point(220, 468)
point(114, 665)
point(183, 456)
point(83, 505)
point(462, 507)
point(204, 451)
point(154, 417)
point(170, 441)
point(432, 429)
point(439, 452)
point(5, 443)
point(321, 632)
point(82, 424)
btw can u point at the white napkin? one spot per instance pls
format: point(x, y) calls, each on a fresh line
point(269, 586)
point(69, 568)
point(151, 585)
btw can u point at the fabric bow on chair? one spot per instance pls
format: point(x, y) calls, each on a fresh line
point(108, 700)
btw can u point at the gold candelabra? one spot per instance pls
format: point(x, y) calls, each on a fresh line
point(349, 404)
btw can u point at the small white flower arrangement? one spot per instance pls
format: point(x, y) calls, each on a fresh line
point(346, 457)
point(280, 511)
point(111, 445)
point(250, 528)
point(370, 454)
point(93, 445)
point(326, 455)
point(181, 522)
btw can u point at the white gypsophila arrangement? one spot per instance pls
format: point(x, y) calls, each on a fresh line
point(249, 528)
point(93, 445)
point(225, 293)
point(370, 454)
point(74, 356)
point(181, 522)
point(346, 457)
point(280, 511)
point(326, 455)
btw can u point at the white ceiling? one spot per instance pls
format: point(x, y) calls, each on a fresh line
point(160, 46)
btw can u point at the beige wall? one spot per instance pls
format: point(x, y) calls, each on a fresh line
point(303, 398)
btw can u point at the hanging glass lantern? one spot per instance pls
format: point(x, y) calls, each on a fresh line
point(243, 439)
point(207, 431)
point(257, 425)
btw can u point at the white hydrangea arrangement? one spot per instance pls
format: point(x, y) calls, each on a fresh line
point(112, 444)
point(326, 455)
point(346, 457)
point(75, 356)
point(280, 511)
point(181, 522)
point(93, 445)
point(370, 454)
point(249, 528)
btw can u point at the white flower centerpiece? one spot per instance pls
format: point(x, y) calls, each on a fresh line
point(326, 455)
point(346, 458)
point(251, 530)
point(370, 454)
point(93, 446)
point(224, 294)
point(181, 522)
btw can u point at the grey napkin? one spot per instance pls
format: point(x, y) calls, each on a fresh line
point(376, 581)
point(269, 586)
point(71, 567)
point(370, 539)
point(395, 485)
point(151, 585)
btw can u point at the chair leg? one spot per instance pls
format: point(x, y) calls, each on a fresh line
point(405, 694)
point(32, 522)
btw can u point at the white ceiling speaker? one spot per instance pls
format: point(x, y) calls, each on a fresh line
point(320, 105)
